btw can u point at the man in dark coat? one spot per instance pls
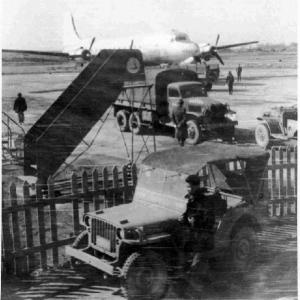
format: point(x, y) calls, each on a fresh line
point(19, 107)
point(239, 73)
point(199, 216)
point(229, 82)
point(179, 119)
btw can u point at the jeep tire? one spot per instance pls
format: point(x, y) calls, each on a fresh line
point(243, 250)
point(262, 135)
point(135, 123)
point(123, 119)
point(80, 242)
point(193, 132)
point(145, 276)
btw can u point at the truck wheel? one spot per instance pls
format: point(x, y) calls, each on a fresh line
point(193, 132)
point(243, 249)
point(145, 276)
point(135, 123)
point(81, 242)
point(262, 135)
point(208, 86)
point(122, 119)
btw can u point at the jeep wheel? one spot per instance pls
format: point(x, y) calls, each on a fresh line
point(145, 276)
point(80, 242)
point(193, 132)
point(122, 120)
point(135, 123)
point(262, 135)
point(243, 249)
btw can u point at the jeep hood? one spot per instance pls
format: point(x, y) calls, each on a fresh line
point(136, 214)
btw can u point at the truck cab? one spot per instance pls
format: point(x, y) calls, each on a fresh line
point(140, 242)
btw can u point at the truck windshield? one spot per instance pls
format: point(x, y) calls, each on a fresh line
point(191, 90)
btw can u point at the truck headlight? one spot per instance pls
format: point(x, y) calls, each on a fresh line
point(231, 116)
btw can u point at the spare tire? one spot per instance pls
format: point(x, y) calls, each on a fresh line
point(193, 132)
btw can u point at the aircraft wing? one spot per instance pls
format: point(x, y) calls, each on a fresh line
point(235, 45)
point(48, 53)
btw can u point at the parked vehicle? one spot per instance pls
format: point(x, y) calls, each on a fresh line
point(280, 123)
point(143, 105)
point(138, 242)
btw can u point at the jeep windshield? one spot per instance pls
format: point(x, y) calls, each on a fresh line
point(161, 188)
point(191, 90)
point(241, 177)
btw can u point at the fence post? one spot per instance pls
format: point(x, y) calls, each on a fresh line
point(41, 222)
point(20, 262)
point(105, 187)
point(53, 219)
point(7, 245)
point(74, 191)
point(134, 175)
point(85, 191)
point(281, 186)
point(125, 184)
point(95, 178)
point(115, 173)
point(28, 224)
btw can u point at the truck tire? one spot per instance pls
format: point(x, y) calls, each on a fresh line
point(123, 119)
point(193, 132)
point(244, 248)
point(208, 86)
point(145, 276)
point(262, 135)
point(135, 123)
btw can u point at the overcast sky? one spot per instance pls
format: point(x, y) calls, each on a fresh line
point(37, 24)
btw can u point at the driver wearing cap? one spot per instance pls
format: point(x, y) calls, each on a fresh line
point(199, 217)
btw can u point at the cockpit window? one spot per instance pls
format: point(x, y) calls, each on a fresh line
point(182, 37)
point(191, 90)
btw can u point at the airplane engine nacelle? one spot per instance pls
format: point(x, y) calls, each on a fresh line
point(86, 55)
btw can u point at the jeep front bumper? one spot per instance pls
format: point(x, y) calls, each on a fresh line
point(100, 264)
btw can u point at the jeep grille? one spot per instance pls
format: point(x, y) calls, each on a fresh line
point(103, 235)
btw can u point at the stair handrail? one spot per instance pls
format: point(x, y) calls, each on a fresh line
point(9, 118)
point(76, 96)
point(9, 134)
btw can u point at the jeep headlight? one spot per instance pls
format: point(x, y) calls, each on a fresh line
point(86, 220)
point(128, 234)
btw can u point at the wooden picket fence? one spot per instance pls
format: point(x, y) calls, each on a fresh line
point(282, 181)
point(36, 226)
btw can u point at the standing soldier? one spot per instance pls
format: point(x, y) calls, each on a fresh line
point(239, 72)
point(179, 119)
point(229, 82)
point(199, 216)
point(19, 107)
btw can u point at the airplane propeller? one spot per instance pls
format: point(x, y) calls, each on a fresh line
point(86, 53)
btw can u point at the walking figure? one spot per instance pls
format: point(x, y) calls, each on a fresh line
point(239, 70)
point(179, 118)
point(19, 107)
point(229, 82)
